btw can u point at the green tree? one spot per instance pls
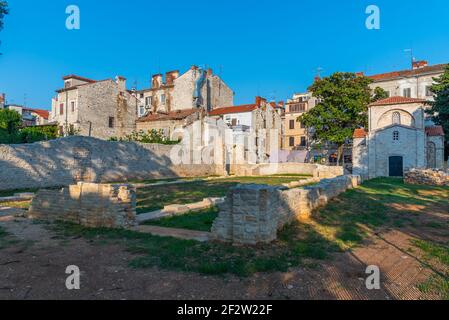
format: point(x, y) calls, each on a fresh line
point(344, 100)
point(379, 94)
point(3, 11)
point(439, 109)
point(10, 120)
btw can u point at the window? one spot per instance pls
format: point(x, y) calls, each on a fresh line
point(428, 91)
point(265, 124)
point(72, 105)
point(396, 118)
point(61, 109)
point(303, 126)
point(67, 84)
point(396, 136)
point(303, 141)
point(142, 110)
point(388, 94)
point(407, 93)
point(291, 141)
point(141, 96)
point(148, 101)
point(163, 99)
point(298, 107)
point(292, 124)
point(111, 122)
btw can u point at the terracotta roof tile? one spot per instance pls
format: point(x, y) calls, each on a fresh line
point(74, 76)
point(435, 131)
point(174, 115)
point(408, 73)
point(359, 133)
point(234, 109)
point(396, 100)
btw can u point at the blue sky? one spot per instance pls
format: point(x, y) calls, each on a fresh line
point(268, 48)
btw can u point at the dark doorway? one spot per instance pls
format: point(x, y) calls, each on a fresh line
point(396, 165)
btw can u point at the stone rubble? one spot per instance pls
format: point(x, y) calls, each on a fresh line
point(427, 177)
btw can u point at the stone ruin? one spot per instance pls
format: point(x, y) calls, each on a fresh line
point(87, 204)
point(429, 177)
point(253, 214)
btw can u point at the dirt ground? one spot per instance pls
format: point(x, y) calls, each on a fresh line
point(34, 268)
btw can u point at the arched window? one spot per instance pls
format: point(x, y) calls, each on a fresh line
point(396, 118)
point(396, 136)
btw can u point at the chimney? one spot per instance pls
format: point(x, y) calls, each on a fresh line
point(420, 64)
point(2, 100)
point(194, 67)
point(210, 72)
point(260, 102)
point(156, 81)
point(171, 76)
point(359, 74)
point(121, 83)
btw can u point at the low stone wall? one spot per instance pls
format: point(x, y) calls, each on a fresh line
point(315, 170)
point(88, 204)
point(427, 177)
point(253, 214)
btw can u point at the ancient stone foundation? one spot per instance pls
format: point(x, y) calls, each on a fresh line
point(427, 177)
point(88, 204)
point(253, 214)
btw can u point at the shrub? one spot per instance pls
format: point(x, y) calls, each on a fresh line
point(152, 136)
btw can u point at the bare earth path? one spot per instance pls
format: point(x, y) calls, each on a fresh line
point(34, 268)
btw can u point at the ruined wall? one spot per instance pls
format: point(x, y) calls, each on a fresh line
point(314, 170)
point(88, 204)
point(253, 214)
point(68, 160)
point(427, 177)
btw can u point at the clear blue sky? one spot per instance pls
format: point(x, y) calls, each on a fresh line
point(270, 48)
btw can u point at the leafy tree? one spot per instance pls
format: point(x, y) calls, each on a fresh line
point(152, 136)
point(440, 107)
point(379, 94)
point(3, 11)
point(344, 100)
point(10, 120)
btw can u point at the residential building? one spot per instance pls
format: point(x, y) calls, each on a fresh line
point(397, 139)
point(31, 117)
point(413, 83)
point(2, 100)
point(196, 88)
point(296, 134)
point(100, 109)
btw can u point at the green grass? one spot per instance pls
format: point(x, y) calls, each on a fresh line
point(16, 204)
point(343, 224)
point(201, 220)
point(10, 193)
point(156, 197)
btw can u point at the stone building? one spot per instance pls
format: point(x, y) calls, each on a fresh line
point(397, 139)
point(196, 88)
point(414, 83)
point(258, 121)
point(100, 109)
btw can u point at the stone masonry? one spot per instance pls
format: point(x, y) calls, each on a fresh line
point(253, 214)
point(88, 204)
point(427, 177)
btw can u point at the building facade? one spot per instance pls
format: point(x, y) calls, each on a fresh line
point(100, 109)
point(31, 117)
point(196, 88)
point(397, 139)
point(295, 133)
point(414, 83)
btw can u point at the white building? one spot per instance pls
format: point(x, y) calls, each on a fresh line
point(397, 139)
point(31, 117)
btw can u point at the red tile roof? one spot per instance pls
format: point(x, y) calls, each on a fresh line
point(41, 113)
point(234, 109)
point(174, 115)
point(396, 100)
point(408, 73)
point(360, 133)
point(435, 131)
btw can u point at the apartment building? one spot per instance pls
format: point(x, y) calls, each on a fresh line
point(31, 117)
point(295, 133)
point(100, 109)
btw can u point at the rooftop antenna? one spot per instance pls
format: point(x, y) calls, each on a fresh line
point(24, 99)
point(318, 72)
point(412, 58)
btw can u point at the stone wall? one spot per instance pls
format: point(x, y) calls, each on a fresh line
point(314, 170)
point(427, 177)
point(253, 214)
point(69, 160)
point(88, 204)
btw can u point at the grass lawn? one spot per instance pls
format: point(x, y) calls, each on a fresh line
point(156, 197)
point(16, 204)
point(343, 224)
point(200, 221)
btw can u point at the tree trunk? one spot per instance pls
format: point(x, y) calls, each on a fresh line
point(339, 154)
